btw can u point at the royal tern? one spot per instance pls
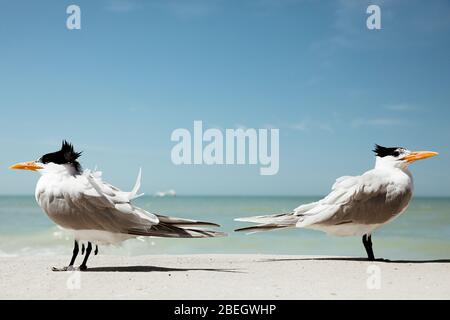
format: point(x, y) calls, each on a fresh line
point(95, 211)
point(357, 205)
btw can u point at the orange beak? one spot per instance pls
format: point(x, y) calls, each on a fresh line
point(419, 155)
point(31, 165)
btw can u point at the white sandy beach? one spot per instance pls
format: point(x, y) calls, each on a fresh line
point(222, 277)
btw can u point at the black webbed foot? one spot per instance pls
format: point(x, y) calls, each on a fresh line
point(382, 260)
point(83, 267)
point(67, 268)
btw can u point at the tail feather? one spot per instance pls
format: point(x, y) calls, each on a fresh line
point(179, 222)
point(281, 218)
point(171, 227)
point(269, 222)
point(134, 193)
point(263, 227)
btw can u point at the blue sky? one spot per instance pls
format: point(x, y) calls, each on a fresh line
point(137, 70)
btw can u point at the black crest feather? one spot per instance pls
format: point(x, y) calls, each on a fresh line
point(66, 155)
point(381, 151)
point(69, 153)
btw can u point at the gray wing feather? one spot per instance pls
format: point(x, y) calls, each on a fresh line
point(100, 206)
point(95, 205)
point(361, 200)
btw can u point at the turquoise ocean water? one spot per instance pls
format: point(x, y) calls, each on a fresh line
point(421, 233)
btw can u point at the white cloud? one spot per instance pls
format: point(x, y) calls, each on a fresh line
point(400, 107)
point(269, 126)
point(309, 125)
point(325, 127)
point(349, 29)
point(302, 126)
point(377, 122)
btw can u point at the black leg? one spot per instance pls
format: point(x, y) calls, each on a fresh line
point(82, 249)
point(96, 250)
point(76, 249)
point(367, 241)
point(83, 266)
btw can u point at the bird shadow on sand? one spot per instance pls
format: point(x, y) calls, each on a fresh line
point(154, 269)
point(359, 260)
